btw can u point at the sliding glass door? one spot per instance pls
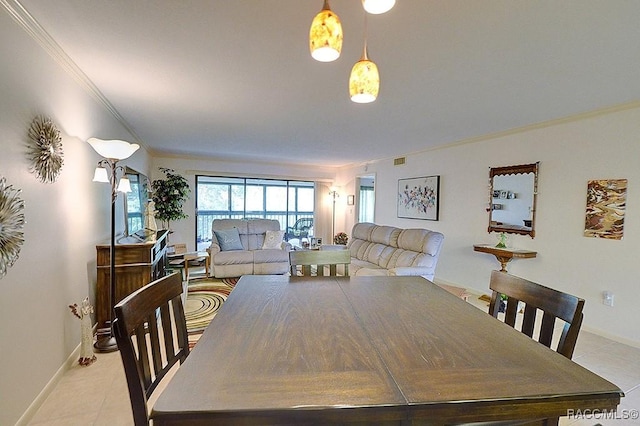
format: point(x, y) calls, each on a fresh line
point(289, 202)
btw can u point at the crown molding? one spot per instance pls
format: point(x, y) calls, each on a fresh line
point(28, 23)
point(509, 132)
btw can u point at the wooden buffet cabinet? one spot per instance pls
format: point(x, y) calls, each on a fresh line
point(137, 264)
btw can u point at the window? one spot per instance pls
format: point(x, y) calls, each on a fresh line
point(240, 198)
point(135, 202)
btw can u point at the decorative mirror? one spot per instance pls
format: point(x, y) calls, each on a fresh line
point(512, 199)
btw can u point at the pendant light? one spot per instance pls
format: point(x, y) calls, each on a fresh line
point(376, 7)
point(325, 35)
point(364, 81)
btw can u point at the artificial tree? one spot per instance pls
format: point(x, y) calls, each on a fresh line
point(169, 195)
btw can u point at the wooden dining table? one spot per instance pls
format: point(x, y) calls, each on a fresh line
point(376, 350)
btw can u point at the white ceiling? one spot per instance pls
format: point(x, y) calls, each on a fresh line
point(234, 79)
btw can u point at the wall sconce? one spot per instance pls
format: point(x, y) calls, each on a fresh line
point(108, 172)
point(351, 200)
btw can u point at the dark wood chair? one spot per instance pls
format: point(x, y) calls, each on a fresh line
point(554, 305)
point(151, 332)
point(320, 259)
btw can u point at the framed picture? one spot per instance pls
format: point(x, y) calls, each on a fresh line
point(606, 205)
point(351, 200)
point(419, 198)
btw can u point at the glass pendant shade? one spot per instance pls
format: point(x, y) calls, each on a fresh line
point(124, 185)
point(114, 149)
point(325, 35)
point(100, 175)
point(376, 7)
point(364, 81)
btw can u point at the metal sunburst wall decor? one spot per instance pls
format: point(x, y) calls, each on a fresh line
point(11, 225)
point(45, 150)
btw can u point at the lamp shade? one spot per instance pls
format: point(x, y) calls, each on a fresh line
point(124, 185)
point(376, 7)
point(325, 35)
point(364, 81)
point(100, 175)
point(114, 149)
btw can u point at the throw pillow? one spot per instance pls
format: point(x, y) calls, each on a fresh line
point(273, 239)
point(228, 239)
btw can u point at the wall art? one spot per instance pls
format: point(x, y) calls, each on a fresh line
point(606, 204)
point(45, 150)
point(11, 225)
point(419, 198)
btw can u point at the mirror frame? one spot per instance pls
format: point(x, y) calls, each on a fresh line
point(514, 170)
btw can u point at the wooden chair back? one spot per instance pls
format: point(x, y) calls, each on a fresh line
point(553, 304)
point(151, 332)
point(323, 260)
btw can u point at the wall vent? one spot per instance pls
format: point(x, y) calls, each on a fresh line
point(399, 161)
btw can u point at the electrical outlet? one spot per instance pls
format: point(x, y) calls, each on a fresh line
point(607, 298)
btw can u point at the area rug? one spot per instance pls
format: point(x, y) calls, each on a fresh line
point(204, 298)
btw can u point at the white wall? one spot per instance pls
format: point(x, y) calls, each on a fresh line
point(64, 220)
point(571, 152)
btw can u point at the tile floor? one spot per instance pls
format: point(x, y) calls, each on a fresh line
point(98, 395)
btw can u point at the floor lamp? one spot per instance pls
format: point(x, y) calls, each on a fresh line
point(335, 195)
point(107, 171)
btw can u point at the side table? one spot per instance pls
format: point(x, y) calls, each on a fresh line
point(185, 260)
point(504, 255)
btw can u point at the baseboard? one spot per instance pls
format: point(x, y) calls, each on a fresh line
point(618, 339)
point(33, 408)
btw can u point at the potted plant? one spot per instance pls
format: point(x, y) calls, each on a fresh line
point(341, 238)
point(169, 195)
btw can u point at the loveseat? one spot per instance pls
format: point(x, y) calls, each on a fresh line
point(248, 247)
point(386, 250)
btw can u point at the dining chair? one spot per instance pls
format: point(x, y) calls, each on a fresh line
point(330, 259)
point(151, 333)
point(554, 305)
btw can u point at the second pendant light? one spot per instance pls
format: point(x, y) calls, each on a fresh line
point(364, 81)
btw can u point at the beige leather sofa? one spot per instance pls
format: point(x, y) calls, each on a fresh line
point(386, 250)
point(250, 255)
